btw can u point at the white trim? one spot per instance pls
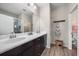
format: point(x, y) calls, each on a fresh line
point(69, 32)
point(47, 47)
point(73, 8)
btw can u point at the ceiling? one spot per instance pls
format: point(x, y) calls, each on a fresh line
point(52, 5)
point(41, 4)
point(15, 8)
point(56, 5)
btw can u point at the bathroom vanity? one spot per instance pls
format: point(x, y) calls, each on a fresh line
point(31, 45)
point(14, 28)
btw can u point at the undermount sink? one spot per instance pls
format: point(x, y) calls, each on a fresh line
point(14, 40)
point(17, 39)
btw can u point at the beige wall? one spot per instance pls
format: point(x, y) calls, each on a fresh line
point(36, 21)
point(45, 21)
point(60, 13)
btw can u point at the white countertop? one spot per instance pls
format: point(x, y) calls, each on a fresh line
point(8, 44)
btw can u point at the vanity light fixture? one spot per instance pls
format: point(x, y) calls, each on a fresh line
point(32, 5)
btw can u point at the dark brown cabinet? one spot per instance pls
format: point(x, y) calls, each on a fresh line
point(32, 48)
point(39, 45)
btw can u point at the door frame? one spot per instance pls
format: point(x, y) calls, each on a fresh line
point(70, 27)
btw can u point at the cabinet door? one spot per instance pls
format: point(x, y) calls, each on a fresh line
point(42, 44)
point(37, 47)
point(28, 52)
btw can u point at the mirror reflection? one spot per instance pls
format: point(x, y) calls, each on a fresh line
point(15, 17)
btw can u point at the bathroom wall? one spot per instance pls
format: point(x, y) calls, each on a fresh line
point(60, 13)
point(6, 24)
point(45, 21)
point(36, 18)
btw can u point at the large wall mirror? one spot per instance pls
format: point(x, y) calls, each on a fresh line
point(15, 17)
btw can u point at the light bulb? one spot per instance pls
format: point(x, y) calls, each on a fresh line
point(31, 4)
point(34, 7)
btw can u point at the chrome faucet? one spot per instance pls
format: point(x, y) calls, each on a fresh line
point(12, 35)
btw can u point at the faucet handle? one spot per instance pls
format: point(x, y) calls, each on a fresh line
point(12, 35)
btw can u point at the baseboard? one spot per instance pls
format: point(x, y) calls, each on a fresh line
point(70, 48)
point(47, 46)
